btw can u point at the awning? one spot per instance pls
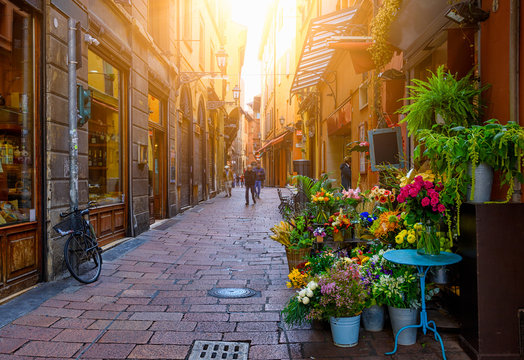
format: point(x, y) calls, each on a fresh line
point(360, 56)
point(316, 53)
point(274, 141)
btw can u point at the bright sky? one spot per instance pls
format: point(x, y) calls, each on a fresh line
point(252, 14)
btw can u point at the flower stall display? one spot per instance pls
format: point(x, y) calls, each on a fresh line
point(297, 278)
point(322, 204)
point(386, 226)
point(423, 206)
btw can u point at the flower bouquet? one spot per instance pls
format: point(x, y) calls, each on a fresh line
point(323, 203)
point(300, 306)
point(339, 224)
point(423, 205)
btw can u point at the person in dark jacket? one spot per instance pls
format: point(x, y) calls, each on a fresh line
point(345, 173)
point(259, 178)
point(249, 179)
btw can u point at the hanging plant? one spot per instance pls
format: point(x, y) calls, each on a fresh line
point(381, 51)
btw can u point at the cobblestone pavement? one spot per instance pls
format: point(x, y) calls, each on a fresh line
point(152, 302)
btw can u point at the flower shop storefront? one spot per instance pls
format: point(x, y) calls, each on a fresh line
point(418, 239)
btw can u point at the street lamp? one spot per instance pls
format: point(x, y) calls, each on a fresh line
point(236, 93)
point(221, 56)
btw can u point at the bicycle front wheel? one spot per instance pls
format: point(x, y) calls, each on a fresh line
point(82, 258)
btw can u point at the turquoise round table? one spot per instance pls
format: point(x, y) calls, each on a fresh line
point(423, 263)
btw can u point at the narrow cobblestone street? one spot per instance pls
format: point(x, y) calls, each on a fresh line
point(152, 302)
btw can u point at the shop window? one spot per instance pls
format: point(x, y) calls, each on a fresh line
point(17, 138)
point(154, 109)
point(105, 132)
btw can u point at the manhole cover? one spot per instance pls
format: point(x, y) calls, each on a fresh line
point(231, 293)
point(203, 350)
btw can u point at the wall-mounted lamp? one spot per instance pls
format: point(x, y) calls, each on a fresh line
point(466, 12)
point(91, 40)
point(236, 92)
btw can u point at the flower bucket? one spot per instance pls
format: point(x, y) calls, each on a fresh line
point(320, 239)
point(438, 275)
point(296, 256)
point(399, 319)
point(345, 330)
point(428, 241)
point(373, 318)
point(338, 237)
point(483, 183)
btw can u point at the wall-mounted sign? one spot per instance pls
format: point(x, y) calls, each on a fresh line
point(299, 133)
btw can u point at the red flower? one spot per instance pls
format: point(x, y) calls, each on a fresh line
point(425, 201)
point(434, 201)
point(441, 208)
point(383, 199)
point(428, 184)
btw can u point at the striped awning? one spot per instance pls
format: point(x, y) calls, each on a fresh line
point(316, 53)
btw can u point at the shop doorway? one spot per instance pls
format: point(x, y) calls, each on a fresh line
point(156, 166)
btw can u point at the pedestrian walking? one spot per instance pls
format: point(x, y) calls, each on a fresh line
point(259, 179)
point(228, 180)
point(345, 173)
point(249, 178)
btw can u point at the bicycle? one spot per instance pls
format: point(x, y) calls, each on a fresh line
point(81, 252)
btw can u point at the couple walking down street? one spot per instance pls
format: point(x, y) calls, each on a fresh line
point(253, 179)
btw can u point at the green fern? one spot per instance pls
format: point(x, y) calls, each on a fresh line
point(457, 101)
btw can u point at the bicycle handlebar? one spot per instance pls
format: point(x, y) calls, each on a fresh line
point(90, 204)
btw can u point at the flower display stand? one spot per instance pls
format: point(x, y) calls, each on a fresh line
point(491, 278)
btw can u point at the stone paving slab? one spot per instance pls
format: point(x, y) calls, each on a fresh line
point(151, 300)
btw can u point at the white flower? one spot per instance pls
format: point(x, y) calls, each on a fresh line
point(305, 301)
point(309, 293)
point(312, 285)
point(302, 293)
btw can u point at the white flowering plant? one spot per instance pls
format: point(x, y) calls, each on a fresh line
point(397, 286)
point(300, 306)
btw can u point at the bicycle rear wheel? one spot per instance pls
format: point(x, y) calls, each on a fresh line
point(82, 258)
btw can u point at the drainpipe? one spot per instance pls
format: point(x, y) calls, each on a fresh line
point(73, 117)
point(514, 75)
point(514, 61)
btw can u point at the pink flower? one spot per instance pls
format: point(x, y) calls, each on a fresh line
point(413, 192)
point(434, 201)
point(428, 184)
point(419, 180)
point(439, 186)
point(364, 143)
point(401, 198)
point(441, 208)
point(425, 201)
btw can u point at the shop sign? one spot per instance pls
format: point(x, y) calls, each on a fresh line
point(299, 133)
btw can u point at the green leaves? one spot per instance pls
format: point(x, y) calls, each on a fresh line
point(457, 101)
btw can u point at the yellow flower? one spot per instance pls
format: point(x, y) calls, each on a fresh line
point(399, 239)
point(288, 284)
point(411, 238)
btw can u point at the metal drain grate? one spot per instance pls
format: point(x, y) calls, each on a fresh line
point(231, 293)
point(219, 350)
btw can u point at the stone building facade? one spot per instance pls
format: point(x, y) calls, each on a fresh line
point(150, 148)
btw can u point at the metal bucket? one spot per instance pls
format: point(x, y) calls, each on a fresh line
point(399, 319)
point(345, 330)
point(483, 184)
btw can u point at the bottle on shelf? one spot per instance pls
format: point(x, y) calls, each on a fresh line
point(100, 158)
point(89, 159)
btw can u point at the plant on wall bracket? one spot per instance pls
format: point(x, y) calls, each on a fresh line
point(381, 50)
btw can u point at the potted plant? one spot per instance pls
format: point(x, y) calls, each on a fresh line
point(397, 287)
point(296, 237)
point(442, 100)
point(339, 225)
point(498, 146)
point(343, 294)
